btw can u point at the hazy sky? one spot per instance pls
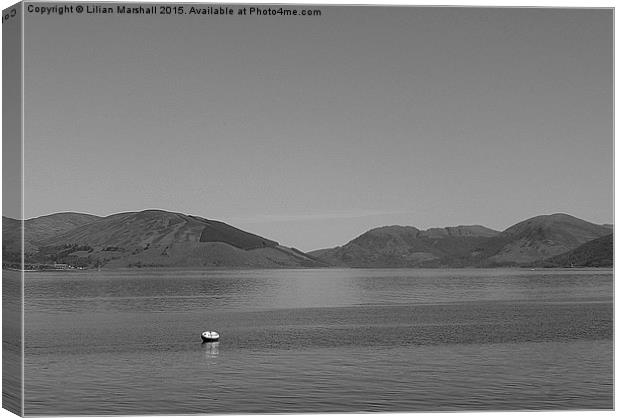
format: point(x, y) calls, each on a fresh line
point(311, 130)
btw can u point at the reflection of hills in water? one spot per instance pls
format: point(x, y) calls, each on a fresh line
point(156, 238)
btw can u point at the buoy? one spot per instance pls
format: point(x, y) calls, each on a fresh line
point(209, 336)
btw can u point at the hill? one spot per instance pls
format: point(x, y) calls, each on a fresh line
point(156, 238)
point(11, 240)
point(542, 237)
point(596, 253)
point(37, 229)
point(159, 238)
point(524, 243)
point(47, 226)
point(407, 246)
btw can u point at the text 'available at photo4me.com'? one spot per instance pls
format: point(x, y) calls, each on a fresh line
point(81, 9)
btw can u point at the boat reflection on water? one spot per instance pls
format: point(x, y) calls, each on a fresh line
point(212, 350)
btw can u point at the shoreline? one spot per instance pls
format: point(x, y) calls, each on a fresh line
point(232, 269)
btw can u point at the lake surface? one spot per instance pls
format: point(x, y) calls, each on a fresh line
point(322, 340)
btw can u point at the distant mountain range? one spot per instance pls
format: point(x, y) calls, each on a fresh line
point(527, 243)
point(156, 238)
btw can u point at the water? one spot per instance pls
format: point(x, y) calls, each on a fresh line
point(11, 341)
point(326, 340)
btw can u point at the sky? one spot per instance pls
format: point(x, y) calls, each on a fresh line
point(312, 130)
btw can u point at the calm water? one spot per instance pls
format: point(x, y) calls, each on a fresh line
point(128, 342)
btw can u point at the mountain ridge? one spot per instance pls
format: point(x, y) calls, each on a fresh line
point(596, 253)
point(523, 243)
point(160, 238)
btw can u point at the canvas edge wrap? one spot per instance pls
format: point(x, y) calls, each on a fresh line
point(12, 207)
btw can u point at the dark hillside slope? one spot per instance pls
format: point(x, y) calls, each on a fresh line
point(596, 253)
point(407, 246)
point(524, 243)
point(40, 228)
point(158, 238)
point(541, 237)
point(11, 240)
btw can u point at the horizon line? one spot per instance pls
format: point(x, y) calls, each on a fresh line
point(268, 218)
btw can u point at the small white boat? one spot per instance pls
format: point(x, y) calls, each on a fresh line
point(209, 336)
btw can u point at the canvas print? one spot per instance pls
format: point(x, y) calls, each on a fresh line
point(306, 208)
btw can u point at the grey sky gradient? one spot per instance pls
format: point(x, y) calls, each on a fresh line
point(310, 131)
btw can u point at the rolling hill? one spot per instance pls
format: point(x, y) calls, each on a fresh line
point(156, 238)
point(544, 236)
point(11, 240)
point(407, 246)
point(40, 228)
point(527, 242)
point(596, 253)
